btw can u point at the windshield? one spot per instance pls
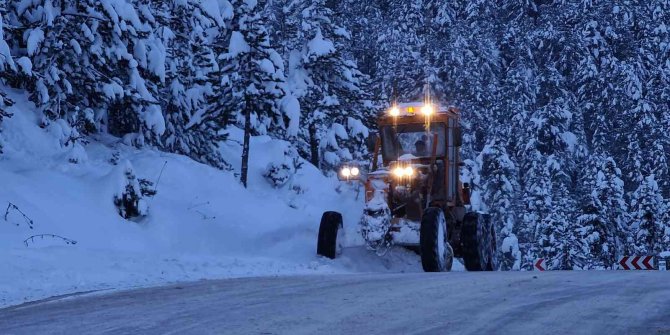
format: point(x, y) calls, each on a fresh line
point(412, 140)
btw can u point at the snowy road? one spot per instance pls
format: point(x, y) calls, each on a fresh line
point(613, 302)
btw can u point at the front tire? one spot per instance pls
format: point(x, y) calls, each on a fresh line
point(331, 231)
point(436, 253)
point(478, 243)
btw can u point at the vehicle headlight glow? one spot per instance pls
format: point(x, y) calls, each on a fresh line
point(394, 111)
point(427, 110)
point(355, 171)
point(346, 172)
point(401, 172)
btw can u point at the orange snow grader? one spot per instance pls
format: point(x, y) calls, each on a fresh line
point(414, 196)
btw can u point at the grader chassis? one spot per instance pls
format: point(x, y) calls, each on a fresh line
point(414, 196)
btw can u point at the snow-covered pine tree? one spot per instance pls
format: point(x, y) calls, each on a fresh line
point(548, 195)
point(646, 151)
point(603, 224)
point(51, 49)
point(7, 68)
point(402, 50)
point(191, 127)
point(363, 19)
point(252, 74)
point(133, 109)
point(499, 194)
point(649, 228)
point(558, 240)
point(557, 236)
point(665, 220)
point(104, 49)
point(464, 56)
point(328, 86)
point(654, 48)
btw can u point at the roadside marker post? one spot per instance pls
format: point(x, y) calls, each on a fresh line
point(662, 264)
point(540, 264)
point(637, 263)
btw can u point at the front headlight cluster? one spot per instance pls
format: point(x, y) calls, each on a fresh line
point(348, 172)
point(427, 110)
point(403, 172)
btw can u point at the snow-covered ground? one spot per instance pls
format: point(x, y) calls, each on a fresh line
point(572, 302)
point(201, 224)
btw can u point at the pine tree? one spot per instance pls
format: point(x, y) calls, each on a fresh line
point(654, 40)
point(403, 51)
point(328, 86)
point(7, 69)
point(253, 75)
point(665, 228)
point(363, 20)
point(536, 204)
point(117, 58)
point(648, 225)
point(558, 239)
point(191, 128)
point(499, 193)
point(604, 219)
point(467, 66)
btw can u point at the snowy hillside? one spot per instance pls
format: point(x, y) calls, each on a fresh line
point(201, 224)
point(238, 109)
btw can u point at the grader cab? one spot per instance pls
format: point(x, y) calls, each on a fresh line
point(414, 196)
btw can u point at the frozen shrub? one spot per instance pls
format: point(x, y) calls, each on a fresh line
point(77, 154)
point(114, 160)
point(129, 198)
point(279, 173)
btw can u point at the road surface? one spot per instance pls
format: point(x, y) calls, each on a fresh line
point(612, 302)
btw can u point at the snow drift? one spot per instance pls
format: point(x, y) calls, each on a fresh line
point(200, 224)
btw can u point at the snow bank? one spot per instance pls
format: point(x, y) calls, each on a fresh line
point(201, 223)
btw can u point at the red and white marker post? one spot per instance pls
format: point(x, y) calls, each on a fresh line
point(636, 263)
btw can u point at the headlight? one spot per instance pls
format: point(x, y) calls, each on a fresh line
point(427, 110)
point(394, 111)
point(346, 172)
point(401, 172)
point(355, 171)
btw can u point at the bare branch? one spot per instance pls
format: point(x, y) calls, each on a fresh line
point(28, 220)
point(31, 239)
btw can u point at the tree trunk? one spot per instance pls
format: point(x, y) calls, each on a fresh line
point(245, 147)
point(313, 145)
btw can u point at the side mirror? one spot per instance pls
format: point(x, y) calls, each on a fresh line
point(371, 142)
point(457, 135)
point(466, 193)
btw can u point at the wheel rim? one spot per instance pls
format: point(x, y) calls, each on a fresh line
point(441, 240)
point(449, 258)
point(339, 243)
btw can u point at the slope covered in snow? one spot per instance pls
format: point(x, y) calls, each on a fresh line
point(201, 224)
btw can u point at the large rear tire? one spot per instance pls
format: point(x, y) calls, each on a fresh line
point(331, 232)
point(478, 243)
point(436, 253)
